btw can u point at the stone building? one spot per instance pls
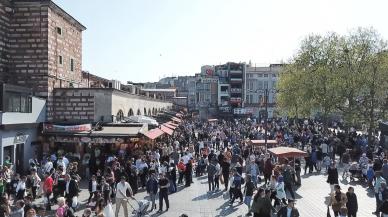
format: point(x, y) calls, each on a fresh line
point(90, 105)
point(41, 46)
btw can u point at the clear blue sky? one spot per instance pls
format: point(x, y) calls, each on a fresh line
point(144, 40)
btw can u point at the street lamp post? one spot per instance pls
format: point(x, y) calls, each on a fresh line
point(266, 96)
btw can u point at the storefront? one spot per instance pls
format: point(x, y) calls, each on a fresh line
point(76, 140)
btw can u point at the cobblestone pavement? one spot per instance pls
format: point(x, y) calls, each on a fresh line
point(196, 202)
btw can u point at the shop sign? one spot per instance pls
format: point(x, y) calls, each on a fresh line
point(86, 139)
point(20, 138)
point(65, 139)
point(72, 128)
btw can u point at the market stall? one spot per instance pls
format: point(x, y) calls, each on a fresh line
point(287, 152)
point(261, 142)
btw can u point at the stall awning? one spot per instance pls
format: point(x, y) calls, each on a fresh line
point(167, 130)
point(212, 120)
point(154, 133)
point(176, 119)
point(261, 142)
point(169, 126)
point(118, 131)
point(172, 124)
point(285, 152)
point(178, 115)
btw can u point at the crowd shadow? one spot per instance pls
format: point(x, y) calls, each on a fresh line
point(226, 209)
point(200, 197)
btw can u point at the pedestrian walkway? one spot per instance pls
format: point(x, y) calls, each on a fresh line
point(311, 197)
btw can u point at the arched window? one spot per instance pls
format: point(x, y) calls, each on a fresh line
point(120, 115)
point(145, 111)
point(149, 112)
point(130, 113)
point(138, 112)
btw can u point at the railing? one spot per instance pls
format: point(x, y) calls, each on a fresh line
point(235, 90)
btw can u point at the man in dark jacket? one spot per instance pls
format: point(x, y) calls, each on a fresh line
point(71, 189)
point(290, 206)
point(211, 172)
point(352, 204)
point(152, 189)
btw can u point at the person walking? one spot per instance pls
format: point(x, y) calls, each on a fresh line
point(163, 192)
point(237, 182)
point(48, 189)
point(287, 175)
point(280, 192)
point(35, 183)
point(332, 177)
point(152, 189)
point(71, 191)
point(211, 172)
point(225, 165)
point(337, 200)
point(377, 187)
point(93, 186)
point(181, 171)
point(217, 176)
point(352, 204)
point(288, 211)
point(248, 191)
point(122, 197)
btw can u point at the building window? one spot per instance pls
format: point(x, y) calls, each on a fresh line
point(265, 84)
point(59, 30)
point(17, 102)
point(72, 64)
point(260, 85)
point(60, 60)
point(265, 75)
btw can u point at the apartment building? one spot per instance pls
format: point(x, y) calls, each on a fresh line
point(258, 79)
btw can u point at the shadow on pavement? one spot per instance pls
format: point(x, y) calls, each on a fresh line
point(201, 197)
point(226, 209)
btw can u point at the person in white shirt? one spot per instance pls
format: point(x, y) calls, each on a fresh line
point(21, 188)
point(121, 196)
point(35, 183)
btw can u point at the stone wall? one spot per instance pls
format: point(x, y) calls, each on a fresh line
point(73, 105)
point(28, 46)
point(82, 105)
point(4, 40)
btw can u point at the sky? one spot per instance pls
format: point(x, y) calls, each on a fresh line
point(145, 40)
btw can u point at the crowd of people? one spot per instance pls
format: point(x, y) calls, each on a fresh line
point(220, 150)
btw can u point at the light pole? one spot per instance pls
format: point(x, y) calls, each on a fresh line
point(266, 96)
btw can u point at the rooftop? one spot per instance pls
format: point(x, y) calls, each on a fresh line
point(159, 90)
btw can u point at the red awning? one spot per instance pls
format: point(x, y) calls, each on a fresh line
point(284, 152)
point(166, 130)
point(154, 133)
point(169, 126)
point(176, 119)
point(262, 142)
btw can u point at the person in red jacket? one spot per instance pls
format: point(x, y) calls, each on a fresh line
point(48, 189)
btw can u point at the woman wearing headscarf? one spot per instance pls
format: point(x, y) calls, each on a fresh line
point(337, 200)
point(280, 193)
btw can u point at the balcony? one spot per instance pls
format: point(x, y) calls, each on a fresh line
point(235, 90)
point(236, 80)
point(239, 72)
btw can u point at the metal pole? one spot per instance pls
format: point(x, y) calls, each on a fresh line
point(266, 117)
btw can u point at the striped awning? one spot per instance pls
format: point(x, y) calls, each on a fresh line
point(166, 130)
point(176, 119)
point(154, 133)
point(172, 124)
point(169, 126)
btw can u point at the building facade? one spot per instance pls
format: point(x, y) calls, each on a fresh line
point(92, 105)
point(41, 47)
point(20, 116)
point(258, 79)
